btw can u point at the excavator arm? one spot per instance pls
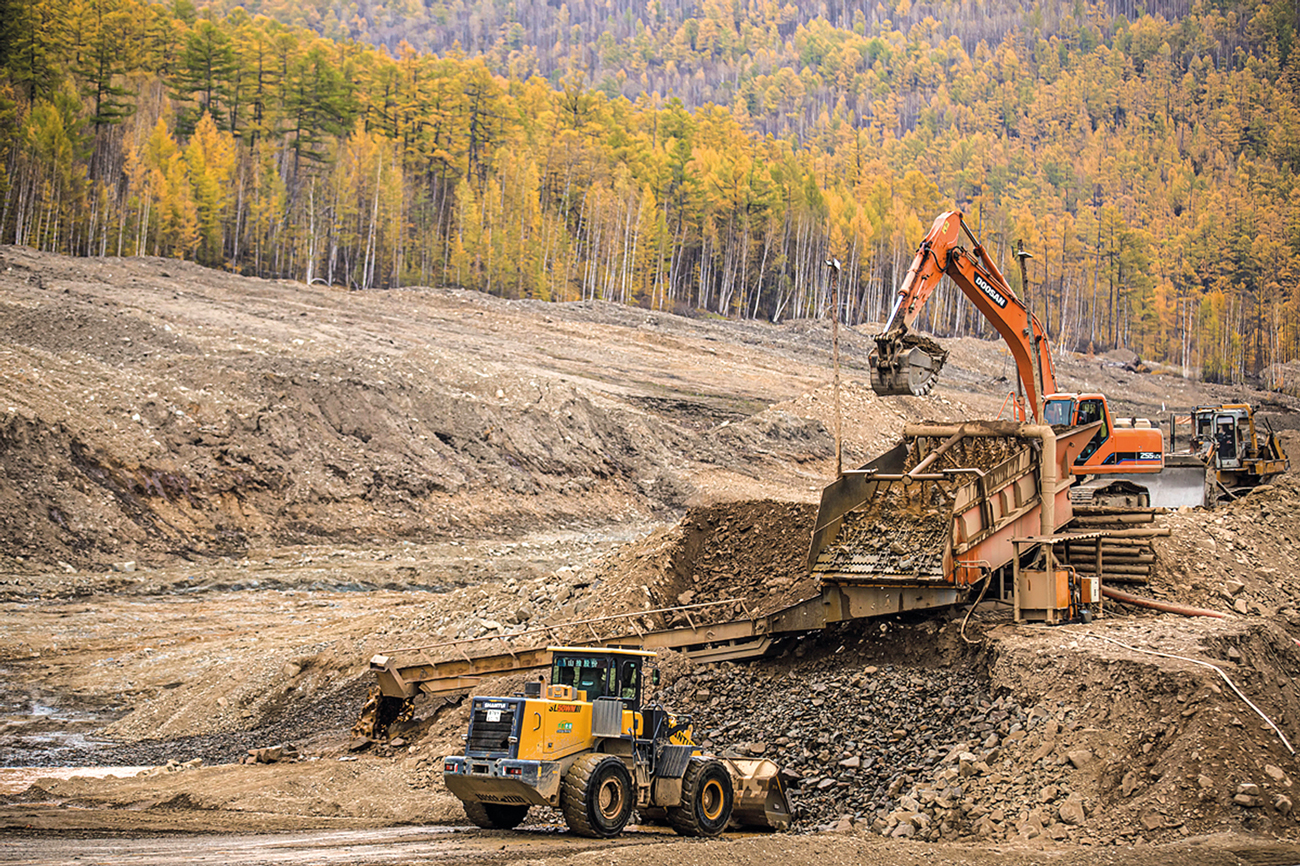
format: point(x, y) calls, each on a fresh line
point(906, 363)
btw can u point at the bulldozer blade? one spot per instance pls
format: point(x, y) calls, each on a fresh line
point(1181, 483)
point(910, 368)
point(758, 799)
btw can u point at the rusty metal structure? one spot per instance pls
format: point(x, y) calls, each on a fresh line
point(920, 527)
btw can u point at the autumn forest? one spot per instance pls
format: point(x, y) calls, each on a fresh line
point(699, 156)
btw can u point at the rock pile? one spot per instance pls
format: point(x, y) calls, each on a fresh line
point(752, 550)
point(1060, 740)
point(283, 753)
point(853, 741)
point(172, 766)
point(1237, 558)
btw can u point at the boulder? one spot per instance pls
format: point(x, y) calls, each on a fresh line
point(1071, 811)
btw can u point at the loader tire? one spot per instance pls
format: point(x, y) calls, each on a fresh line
point(494, 816)
point(706, 800)
point(597, 796)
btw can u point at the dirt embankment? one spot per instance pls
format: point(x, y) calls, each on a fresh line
point(150, 408)
point(1243, 556)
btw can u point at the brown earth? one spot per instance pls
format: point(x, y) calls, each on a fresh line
point(222, 495)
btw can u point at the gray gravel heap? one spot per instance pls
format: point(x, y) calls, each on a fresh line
point(857, 743)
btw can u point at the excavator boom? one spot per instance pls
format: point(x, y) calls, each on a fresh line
point(906, 363)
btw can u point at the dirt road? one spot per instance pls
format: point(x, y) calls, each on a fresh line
point(378, 847)
point(637, 847)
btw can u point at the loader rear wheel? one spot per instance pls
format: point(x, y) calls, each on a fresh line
point(597, 796)
point(706, 800)
point(494, 816)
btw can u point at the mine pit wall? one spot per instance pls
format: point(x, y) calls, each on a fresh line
point(1152, 747)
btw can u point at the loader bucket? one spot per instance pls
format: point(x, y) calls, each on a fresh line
point(906, 365)
point(758, 799)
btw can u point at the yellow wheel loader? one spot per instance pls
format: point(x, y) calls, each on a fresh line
point(586, 744)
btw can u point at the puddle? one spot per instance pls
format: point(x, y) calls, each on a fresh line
point(36, 729)
point(14, 780)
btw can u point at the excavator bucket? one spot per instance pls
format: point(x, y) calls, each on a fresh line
point(758, 799)
point(906, 365)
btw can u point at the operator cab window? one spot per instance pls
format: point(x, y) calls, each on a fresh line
point(600, 676)
point(1227, 438)
point(591, 674)
point(1204, 425)
point(1059, 413)
point(1090, 411)
point(629, 683)
point(594, 681)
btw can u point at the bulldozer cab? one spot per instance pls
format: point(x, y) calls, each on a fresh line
point(1225, 433)
point(600, 673)
point(1225, 437)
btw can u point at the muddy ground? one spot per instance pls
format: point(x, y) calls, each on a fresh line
point(223, 495)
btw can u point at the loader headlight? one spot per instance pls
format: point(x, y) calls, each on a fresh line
point(449, 767)
point(514, 771)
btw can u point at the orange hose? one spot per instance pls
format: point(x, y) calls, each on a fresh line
point(1167, 607)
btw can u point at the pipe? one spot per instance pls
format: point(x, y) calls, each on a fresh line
point(1167, 607)
point(1046, 476)
point(938, 452)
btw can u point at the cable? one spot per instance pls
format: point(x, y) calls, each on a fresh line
point(1214, 668)
point(988, 580)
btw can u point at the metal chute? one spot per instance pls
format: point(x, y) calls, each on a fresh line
point(905, 363)
point(758, 798)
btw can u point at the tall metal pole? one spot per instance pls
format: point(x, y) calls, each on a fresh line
point(834, 265)
point(1035, 346)
point(1046, 469)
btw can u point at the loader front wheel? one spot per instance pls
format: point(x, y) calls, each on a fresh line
point(597, 796)
point(494, 816)
point(706, 800)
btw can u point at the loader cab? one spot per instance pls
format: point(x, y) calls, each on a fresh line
point(601, 673)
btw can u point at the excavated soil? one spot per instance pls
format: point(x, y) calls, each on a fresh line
point(223, 495)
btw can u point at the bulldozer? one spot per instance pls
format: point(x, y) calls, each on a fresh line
point(588, 745)
point(1238, 454)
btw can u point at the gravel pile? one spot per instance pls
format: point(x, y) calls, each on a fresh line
point(1041, 739)
point(855, 742)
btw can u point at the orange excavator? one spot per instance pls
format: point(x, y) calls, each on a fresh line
point(1124, 461)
